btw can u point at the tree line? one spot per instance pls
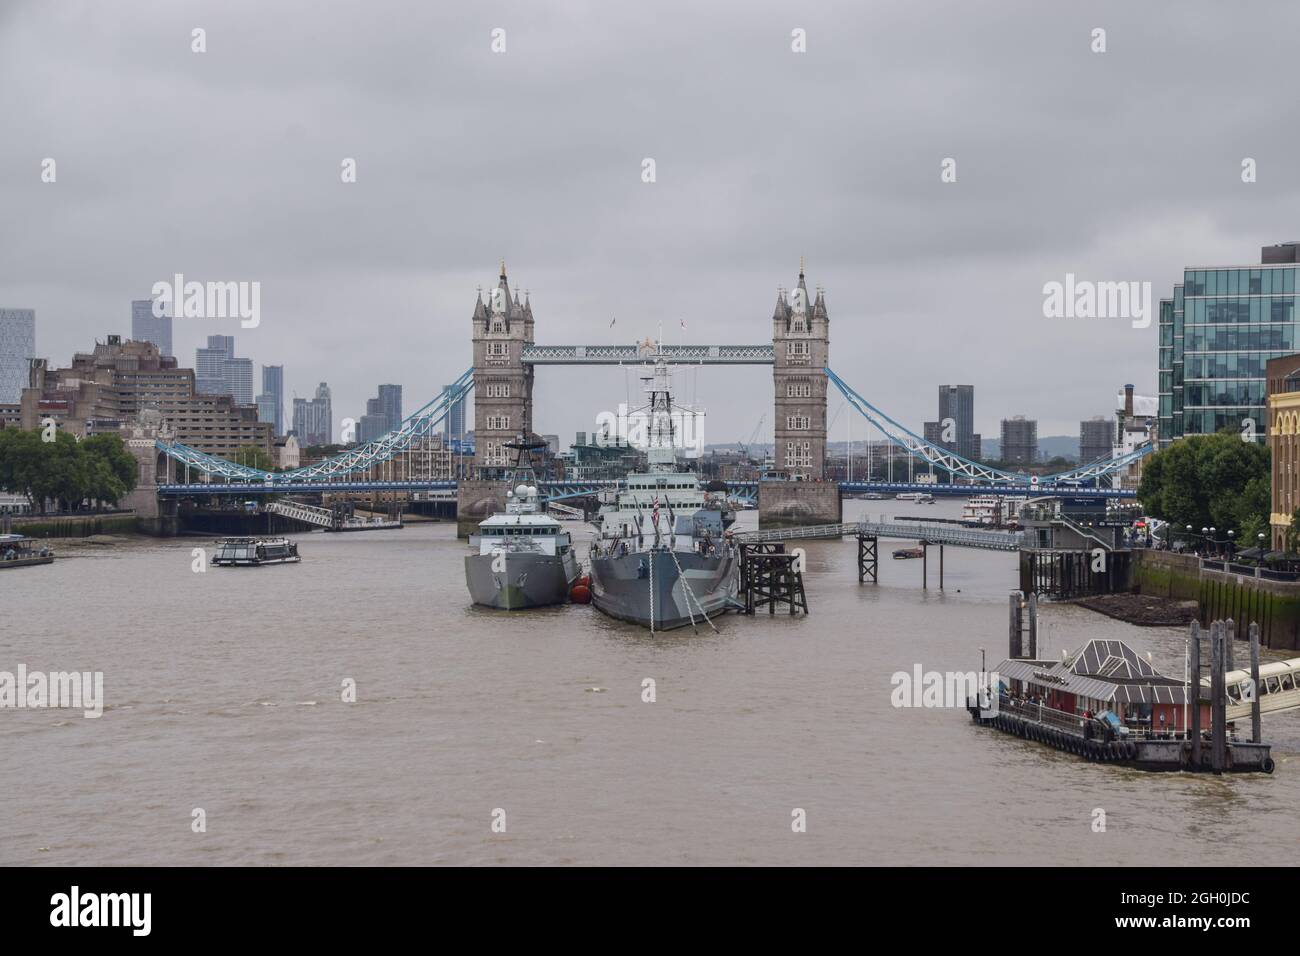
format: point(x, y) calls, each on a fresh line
point(71, 473)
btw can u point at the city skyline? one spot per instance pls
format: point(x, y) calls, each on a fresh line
point(944, 273)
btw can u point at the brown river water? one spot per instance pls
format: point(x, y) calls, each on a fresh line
point(224, 692)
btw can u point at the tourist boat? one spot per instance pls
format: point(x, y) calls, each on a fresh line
point(663, 557)
point(873, 496)
point(902, 553)
point(252, 552)
point(992, 509)
point(919, 497)
point(521, 557)
point(20, 551)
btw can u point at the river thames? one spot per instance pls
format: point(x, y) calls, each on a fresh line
point(224, 692)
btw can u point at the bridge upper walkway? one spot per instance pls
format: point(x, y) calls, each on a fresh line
point(930, 533)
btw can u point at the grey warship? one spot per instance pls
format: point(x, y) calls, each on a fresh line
point(663, 558)
point(522, 558)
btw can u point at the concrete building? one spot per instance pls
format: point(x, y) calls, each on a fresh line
point(1019, 440)
point(287, 453)
point(147, 327)
point(17, 348)
point(455, 426)
point(238, 374)
point(1136, 418)
point(1096, 439)
point(801, 345)
point(383, 414)
point(313, 419)
point(108, 388)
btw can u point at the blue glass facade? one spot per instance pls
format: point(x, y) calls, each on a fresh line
point(1216, 334)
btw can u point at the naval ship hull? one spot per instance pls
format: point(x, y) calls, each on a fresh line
point(525, 580)
point(620, 587)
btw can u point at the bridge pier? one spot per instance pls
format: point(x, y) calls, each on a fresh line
point(478, 499)
point(797, 504)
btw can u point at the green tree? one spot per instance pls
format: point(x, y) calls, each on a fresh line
point(252, 456)
point(1214, 481)
point(111, 468)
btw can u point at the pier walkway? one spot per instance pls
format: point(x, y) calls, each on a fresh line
point(931, 533)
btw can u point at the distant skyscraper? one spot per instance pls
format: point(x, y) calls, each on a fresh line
point(17, 347)
point(146, 327)
point(266, 409)
point(238, 373)
point(383, 414)
point(957, 402)
point(455, 424)
point(210, 365)
point(273, 386)
point(1096, 439)
point(1019, 440)
point(313, 418)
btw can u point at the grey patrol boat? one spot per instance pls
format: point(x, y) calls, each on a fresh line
point(521, 557)
point(663, 557)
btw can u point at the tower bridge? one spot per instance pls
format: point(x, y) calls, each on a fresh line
point(505, 358)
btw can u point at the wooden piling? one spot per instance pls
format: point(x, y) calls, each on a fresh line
point(1218, 715)
point(1033, 626)
point(1013, 631)
point(1254, 677)
point(1194, 691)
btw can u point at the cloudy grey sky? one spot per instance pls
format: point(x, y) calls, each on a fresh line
point(225, 166)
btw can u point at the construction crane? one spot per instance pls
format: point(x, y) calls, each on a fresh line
point(744, 449)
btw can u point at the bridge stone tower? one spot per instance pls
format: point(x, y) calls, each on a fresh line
point(503, 384)
point(801, 350)
point(801, 347)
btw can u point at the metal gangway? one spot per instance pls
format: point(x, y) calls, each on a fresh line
point(330, 520)
point(930, 533)
point(564, 511)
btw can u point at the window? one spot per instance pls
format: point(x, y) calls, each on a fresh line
point(498, 423)
point(798, 390)
point(497, 390)
point(797, 422)
point(799, 325)
point(796, 350)
point(498, 350)
point(498, 326)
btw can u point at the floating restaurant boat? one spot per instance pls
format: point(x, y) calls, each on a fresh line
point(903, 553)
point(919, 497)
point(1105, 703)
point(252, 552)
point(20, 551)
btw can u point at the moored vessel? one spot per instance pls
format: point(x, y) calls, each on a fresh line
point(253, 552)
point(522, 557)
point(663, 558)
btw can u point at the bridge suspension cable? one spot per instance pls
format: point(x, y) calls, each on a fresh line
point(955, 464)
point(412, 430)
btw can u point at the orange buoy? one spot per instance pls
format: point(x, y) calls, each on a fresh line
point(580, 593)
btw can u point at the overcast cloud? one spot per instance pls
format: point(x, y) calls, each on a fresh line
point(225, 166)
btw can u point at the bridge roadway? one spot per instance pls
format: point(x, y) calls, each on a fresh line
point(954, 535)
point(577, 489)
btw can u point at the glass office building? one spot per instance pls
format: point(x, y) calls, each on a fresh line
point(1216, 334)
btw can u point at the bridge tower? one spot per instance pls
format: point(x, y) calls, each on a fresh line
point(801, 347)
point(503, 384)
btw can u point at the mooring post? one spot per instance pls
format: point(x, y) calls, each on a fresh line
point(1194, 691)
point(1254, 679)
point(925, 565)
point(1013, 632)
point(1033, 626)
point(1230, 640)
point(941, 566)
point(1218, 723)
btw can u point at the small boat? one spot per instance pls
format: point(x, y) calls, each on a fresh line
point(251, 552)
point(902, 553)
point(873, 496)
point(20, 551)
point(920, 497)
